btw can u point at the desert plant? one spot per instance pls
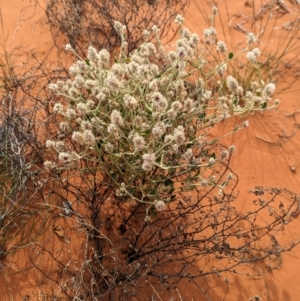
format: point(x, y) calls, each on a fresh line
point(91, 21)
point(275, 36)
point(141, 122)
point(134, 168)
point(22, 217)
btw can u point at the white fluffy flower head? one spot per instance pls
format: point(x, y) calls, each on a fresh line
point(116, 118)
point(253, 55)
point(179, 19)
point(159, 205)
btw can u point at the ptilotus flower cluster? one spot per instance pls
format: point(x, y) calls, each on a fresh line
point(141, 119)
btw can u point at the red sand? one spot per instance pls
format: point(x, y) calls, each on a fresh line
point(256, 162)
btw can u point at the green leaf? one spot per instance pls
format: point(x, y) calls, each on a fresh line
point(230, 55)
point(88, 62)
point(152, 212)
point(72, 102)
point(99, 143)
point(235, 101)
point(213, 142)
point(171, 170)
point(202, 115)
point(264, 105)
point(168, 182)
point(113, 175)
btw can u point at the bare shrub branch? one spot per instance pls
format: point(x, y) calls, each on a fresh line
point(90, 22)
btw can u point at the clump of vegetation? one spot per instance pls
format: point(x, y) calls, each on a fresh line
point(141, 121)
point(20, 219)
point(274, 41)
point(133, 163)
point(81, 23)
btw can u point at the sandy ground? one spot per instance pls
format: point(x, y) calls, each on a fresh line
point(262, 158)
